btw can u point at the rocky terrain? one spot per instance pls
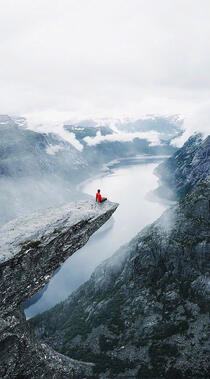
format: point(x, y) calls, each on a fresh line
point(144, 313)
point(31, 249)
point(186, 168)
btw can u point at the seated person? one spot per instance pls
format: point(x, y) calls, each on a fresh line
point(99, 198)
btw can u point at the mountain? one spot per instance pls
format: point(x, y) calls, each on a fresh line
point(169, 127)
point(83, 131)
point(144, 313)
point(31, 249)
point(38, 170)
point(102, 142)
point(25, 153)
point(187, 167)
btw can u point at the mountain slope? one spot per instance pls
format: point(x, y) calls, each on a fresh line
point(144, 311)
point(26, 153)
point(36, 170)
point(187, 167)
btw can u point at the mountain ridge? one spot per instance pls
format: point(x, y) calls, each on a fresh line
point(187, 167)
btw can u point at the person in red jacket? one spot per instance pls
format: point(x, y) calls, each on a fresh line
point(99, 198)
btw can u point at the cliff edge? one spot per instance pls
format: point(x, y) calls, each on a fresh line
point(188, 167)
point(31, 249)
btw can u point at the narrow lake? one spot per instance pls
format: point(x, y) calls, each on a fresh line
point(128, 182)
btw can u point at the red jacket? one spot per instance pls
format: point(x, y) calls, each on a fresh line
point(98, 197)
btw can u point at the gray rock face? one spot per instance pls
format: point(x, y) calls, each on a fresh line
point(31, 249)
point(186, 168)
point(144, 311)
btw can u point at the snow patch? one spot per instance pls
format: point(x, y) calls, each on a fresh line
point(53, 149)
point(20, 122)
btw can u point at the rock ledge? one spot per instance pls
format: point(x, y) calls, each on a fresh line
point(31, 249)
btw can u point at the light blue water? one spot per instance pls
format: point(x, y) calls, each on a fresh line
point(129, 186)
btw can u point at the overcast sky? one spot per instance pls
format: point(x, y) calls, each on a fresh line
point(105, 57)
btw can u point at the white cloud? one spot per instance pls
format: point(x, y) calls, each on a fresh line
point(197, 121)
point(53, 149)
point(52, 122)
point(152, 137)
point(71, 138)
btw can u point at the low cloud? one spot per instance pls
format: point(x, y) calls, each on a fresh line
point(53, 149)
point(196, 122)
point(152, 137)
point(51, 122)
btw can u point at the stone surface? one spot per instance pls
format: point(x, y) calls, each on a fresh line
point(31, 249)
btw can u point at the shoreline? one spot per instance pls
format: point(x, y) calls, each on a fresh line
point(116, 163)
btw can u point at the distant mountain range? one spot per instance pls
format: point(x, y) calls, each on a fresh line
point(38, 170)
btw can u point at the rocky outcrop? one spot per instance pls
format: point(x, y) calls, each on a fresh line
point(144, 311)
point(31, 249)
point(189, 166)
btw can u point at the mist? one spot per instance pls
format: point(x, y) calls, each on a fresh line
point(151, 137)
point(198, 121)
point(22, 196)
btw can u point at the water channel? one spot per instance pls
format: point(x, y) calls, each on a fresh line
point(128, 182)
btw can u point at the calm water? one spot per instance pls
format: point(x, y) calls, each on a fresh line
point(128, 185)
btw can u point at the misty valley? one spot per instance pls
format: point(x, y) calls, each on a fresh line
point(129, 185)
point(110, 290)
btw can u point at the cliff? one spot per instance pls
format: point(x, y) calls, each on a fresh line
point(144, 311)
point(187, 167)
point(31, 249)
